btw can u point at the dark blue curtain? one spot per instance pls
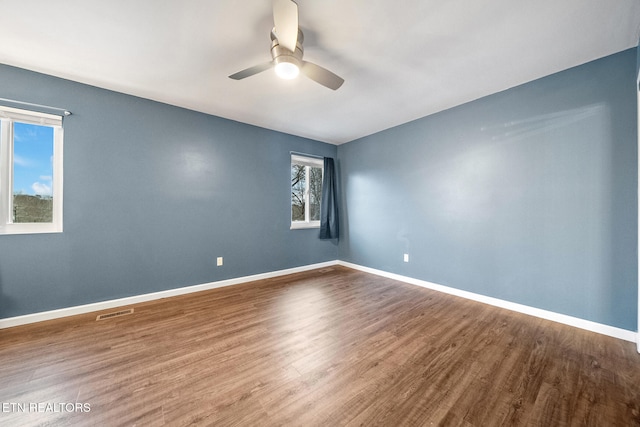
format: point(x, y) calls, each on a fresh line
point(329, 228)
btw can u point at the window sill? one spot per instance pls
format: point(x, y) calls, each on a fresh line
point(37, 228)
point(304, 225)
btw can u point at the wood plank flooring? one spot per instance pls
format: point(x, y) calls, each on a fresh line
point(329, 347)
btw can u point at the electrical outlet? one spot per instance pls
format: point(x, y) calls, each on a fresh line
point(219, 261)
point(406, 257)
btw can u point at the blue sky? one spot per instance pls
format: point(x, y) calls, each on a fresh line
point(32, 159)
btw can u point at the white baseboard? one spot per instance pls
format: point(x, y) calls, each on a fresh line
point(104, 305)
point(622, 334)
point(588, 325)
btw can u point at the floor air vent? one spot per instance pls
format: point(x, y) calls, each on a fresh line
point(116, 314)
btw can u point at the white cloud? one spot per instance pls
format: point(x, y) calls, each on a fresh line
point(21, 161)
point(46, 178)
point(41, 189)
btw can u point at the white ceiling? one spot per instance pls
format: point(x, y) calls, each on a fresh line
point(400, 60)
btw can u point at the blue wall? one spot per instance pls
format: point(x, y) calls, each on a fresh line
point(528, 195)
point(152, 195)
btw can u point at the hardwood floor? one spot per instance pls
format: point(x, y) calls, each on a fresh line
point(323, 348)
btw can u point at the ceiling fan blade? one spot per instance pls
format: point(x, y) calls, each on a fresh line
point(251, 71)
point(285, 20)
point(321, 75)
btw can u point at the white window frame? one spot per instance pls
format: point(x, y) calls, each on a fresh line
point(8, 116)
point(308, 162)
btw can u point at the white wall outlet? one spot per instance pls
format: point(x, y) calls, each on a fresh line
point(406, 257)
point(219, 261)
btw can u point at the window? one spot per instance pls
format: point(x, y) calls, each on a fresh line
point(30, 172)
point(306, 191)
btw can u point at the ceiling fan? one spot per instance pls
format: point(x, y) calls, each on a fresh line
point(286, 50)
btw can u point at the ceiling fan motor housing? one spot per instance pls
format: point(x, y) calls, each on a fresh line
point(281, 54)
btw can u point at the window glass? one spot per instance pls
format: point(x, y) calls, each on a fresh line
point(315, 193)
point(32, 173)
point(298, 185)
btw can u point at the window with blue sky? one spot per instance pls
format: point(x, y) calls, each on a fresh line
point(30, 172)
point(32, 159)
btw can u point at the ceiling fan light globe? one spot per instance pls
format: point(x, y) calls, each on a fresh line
point(287, 70)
